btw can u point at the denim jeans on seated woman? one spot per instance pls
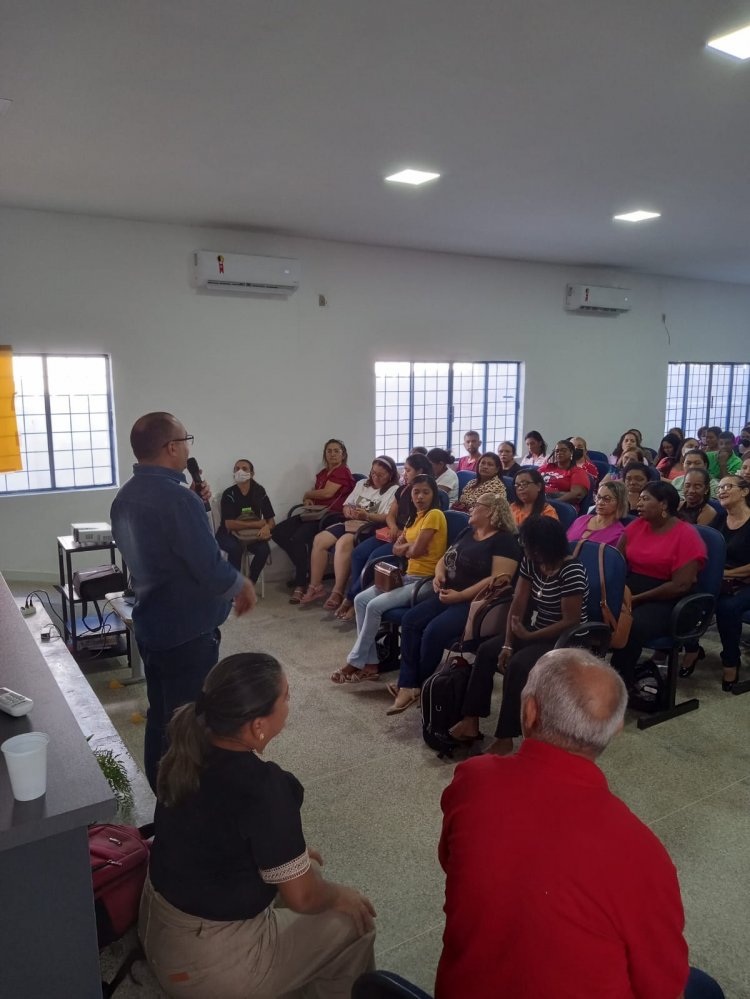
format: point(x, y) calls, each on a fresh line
point(362, 553)
point(369, 607)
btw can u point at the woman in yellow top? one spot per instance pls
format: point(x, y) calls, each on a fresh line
point(423, 542)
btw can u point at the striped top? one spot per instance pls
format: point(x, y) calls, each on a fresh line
point(547, 592)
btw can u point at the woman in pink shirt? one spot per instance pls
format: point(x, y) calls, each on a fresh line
point(605, 525)
point(664, 556)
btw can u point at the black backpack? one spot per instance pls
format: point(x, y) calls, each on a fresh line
point(442, 701)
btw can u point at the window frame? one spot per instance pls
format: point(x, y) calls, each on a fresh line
point(696, 371)
point(453, 388)
point(44, 357)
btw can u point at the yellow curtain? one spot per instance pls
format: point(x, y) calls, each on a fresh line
point(10, 449)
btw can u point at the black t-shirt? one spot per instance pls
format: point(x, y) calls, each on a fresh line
point(233, 503)
point(467, 561)
point(220, 853)
point(738, 544)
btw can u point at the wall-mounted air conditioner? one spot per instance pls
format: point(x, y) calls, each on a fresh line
point(217, 271)
point(603, 301)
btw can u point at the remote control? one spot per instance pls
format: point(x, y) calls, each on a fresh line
point(14, 704)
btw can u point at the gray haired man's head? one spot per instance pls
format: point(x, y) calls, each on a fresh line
point(573, 700)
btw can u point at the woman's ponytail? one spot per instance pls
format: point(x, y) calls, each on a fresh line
point(181, 766)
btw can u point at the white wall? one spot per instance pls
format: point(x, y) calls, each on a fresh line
point(271, 380)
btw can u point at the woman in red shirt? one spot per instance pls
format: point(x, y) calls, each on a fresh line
point(333, 483)
point(563, 479)
point(664, 556)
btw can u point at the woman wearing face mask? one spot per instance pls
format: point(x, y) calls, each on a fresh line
point(582, 457)
point(487, 482)
point(696, 492)
point(422, 542)
point(246, 506)
point(333, 483)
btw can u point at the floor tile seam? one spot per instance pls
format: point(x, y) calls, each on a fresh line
point(697, 801)
point(406, 940)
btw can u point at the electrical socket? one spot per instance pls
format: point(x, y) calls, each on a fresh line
point(46, 635)
point(28, 611)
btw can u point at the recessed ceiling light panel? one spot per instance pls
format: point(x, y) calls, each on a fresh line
point(639, 216)
point(736, 43)
point(414, 177)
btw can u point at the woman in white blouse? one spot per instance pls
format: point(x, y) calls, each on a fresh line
point(445, 477)
point(536, 449)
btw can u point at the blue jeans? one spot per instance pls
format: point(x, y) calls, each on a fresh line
point(426, 631)
point(173, 677)
point(361, 554)
point(701, 986)
point(369, 607)
point(729, 611)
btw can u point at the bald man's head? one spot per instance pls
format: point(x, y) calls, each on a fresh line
point(151, 433)
point(575, 701)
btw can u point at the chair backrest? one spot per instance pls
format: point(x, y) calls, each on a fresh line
point(602, 467)
point(358, 476)
point(653, 473)
point(443, 499)
point(510, 488)
point(615, 572)
point(463, 479)
point(715, 505)
point(712, 573)
point(566, 513)
point(649, 452)
point(457, 521)
point(597, 456)
point(588, 499)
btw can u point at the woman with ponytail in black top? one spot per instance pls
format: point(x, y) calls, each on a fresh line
point(228, 840)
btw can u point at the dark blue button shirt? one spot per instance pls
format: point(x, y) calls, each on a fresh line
point(183, 587)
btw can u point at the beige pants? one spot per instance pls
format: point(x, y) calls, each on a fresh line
point(278, 953)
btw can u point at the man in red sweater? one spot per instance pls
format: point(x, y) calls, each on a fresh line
point(554, 888)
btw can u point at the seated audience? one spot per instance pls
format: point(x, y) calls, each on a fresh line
point(487, 482)
point(470, 460)
point(246, 507)
point(443, 474)
point(582, 457)
point(678, 432)
point(734, 496)
point(690, 460)
point(377, 546)
point(333, 483)
point(506, 452)
point(678, 470)
point(629, 456)
point(696, 492)
point(745, 469)
point(635, 478)
point(488, 547)
point(550, 596)
point(664, 556)
point(554, 889)
point(368, 503)
point(723, 461)
point(530, 500)
point(605, 524)
point(667, 457)
point(743, 442)
point(228, 843)
point(563, 480)
point(422, 543)
point(629, 441)
point(536, 449)
point(709, 438)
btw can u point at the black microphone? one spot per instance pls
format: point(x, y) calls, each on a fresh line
point(195, 474)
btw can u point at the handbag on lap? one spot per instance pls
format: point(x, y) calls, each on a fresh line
point(387, 577)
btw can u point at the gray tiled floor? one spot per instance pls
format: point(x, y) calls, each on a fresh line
point(372, 802)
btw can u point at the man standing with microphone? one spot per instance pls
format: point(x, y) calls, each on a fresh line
point(183, 587)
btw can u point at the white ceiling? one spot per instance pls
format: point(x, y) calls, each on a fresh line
point(545, 117)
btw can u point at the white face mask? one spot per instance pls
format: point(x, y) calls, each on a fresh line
point(242, 476)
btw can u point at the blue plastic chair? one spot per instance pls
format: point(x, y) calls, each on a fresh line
point(602, 467)
point(464, 478)
point(566, 513)
point(653, 473)
point(510, 487)
point(599, 456)
point(615, 573)
point(691, 617)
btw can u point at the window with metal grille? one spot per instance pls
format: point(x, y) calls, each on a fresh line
point(434, 403)
point(707, 395)
point(65, 423)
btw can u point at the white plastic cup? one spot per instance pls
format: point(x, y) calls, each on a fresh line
point(26, 758)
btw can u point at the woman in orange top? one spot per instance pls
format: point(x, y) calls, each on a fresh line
point(530, 500)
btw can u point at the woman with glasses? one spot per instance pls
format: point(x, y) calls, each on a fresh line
point(563, 479)
point(605, 524)
point(734, 496)
point(530, 499)
point(333, 483)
